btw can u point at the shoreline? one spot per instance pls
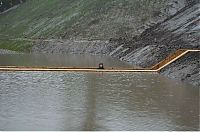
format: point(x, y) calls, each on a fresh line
point(181, 69)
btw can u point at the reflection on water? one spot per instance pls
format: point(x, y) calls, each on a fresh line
point(96, 101)
point(59, 60)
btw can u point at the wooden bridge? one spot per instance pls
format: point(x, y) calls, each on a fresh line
point(156, 68)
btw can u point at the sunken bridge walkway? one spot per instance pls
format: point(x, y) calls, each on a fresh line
point(156, 68)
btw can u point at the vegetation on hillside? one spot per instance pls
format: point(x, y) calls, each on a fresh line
point(90, 19)
point(6, 4)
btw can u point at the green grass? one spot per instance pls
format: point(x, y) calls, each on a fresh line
point(100, 19)
point(20, 46)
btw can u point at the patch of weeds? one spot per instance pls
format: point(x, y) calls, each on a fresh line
point(20, 46)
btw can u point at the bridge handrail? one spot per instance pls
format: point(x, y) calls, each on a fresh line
point(171, 58)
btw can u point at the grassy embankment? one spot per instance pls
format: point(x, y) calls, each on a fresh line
point(96, 19)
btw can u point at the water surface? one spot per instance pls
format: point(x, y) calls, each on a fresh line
point(54, 60)
point(95, 101)
point(92, 101)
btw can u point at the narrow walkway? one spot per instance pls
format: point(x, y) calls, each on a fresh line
point(171, 58)
point(156, 68)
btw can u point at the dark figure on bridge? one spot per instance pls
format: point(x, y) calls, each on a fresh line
point(101, 66)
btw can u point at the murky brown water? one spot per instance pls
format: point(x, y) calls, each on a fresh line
point(59, 60)
point(96, 101)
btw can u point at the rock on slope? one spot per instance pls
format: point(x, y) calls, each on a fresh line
point(181, 30)
point(186, 69)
